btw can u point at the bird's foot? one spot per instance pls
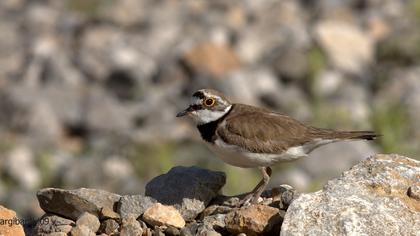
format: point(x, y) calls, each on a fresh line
point(249, 199)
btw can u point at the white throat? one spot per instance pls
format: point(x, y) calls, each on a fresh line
point(206, 116)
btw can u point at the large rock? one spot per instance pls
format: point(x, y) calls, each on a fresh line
point(72, 203)
point(10, 223)
point(374, 197)
point(189, 189)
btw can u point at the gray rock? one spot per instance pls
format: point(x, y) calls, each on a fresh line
point(131, 227)
point(72, 203)
point(369, 199)
point(189, 189)
point(134, 205)
point(109, 226)
point(88, 220)
point(48, 224)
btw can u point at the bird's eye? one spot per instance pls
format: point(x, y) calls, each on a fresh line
point(209, 102)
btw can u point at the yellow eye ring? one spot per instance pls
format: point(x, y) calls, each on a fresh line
point(209, 102)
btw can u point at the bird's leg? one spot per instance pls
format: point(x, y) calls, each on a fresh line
point(255, 194)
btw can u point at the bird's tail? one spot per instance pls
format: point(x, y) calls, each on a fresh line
point(347, 135)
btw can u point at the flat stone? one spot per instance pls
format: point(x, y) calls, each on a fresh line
point(253, 220)
point(72, 203)
point(369, 199)
point(134, 205)
point(109, 226)
point(6, 228)
point(159, 215)
point(88, 220)
point(189, 189)
point(131, 227)
point(49, 223)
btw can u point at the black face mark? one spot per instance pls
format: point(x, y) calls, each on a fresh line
point(199, 95)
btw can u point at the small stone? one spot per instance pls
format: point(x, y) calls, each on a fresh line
point(134, 205)
point(253, 220)
point(10, 229)
point(131, 227)
point(172, 231)
point(52, 223)
point(56, 234)
point(188, 189)
point(159, 215)
point(72, 203)
point(109, 226)
point(241, 234)
point(81, 230)
point(157, 232)
point(414, 191)
point(107, 213)
point(88, 220)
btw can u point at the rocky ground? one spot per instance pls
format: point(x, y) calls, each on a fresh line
point(95, 85)
point(378, 196)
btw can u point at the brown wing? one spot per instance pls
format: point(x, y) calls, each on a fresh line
point(262, 131)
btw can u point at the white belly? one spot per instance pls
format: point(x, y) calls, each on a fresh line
point(237, 156)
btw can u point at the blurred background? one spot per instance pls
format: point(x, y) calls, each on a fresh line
point(89, 89)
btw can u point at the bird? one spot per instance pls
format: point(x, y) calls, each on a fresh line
point(253, 137)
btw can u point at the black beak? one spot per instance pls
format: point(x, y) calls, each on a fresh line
point(185, 112)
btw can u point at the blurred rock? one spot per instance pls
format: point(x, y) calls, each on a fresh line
point(371, 198)
point(73, 203)
point(158, 215)
point(253, 220)
point(19, 164)
point(49, 223)
point(12, 228)
point(130, 226)
point(189, 189)
point(323, 162)
point(347, 46)
point(215, 60)
point(134, 205)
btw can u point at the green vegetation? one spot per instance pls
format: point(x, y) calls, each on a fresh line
point(393, 124)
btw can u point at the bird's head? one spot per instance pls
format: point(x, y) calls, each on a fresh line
point(206, 105)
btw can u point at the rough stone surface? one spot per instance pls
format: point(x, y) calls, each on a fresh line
point(72, 203)
point(159, 215)
point(253, 220)
point(109, 226)
point(88, 220)
point(134, 205)
point(52, 223)
point(131, 227)
point(12, 228)
point(372, 198)
point(189, 189)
